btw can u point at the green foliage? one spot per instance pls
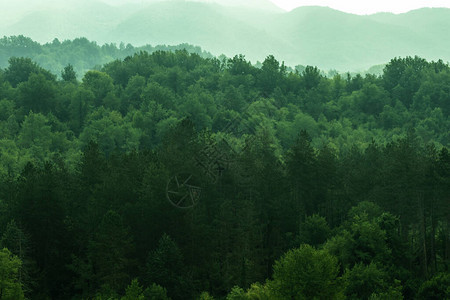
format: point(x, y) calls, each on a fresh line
point(259, 291)
point(314, 231)
point(301, 163)
point(82, 54)
point(311, 77)
point(134, 291)
point(363, 241)
point(438, 287)
point(111, 131)
point(165, 267)
point(237, 293)
point(110, 252)
point(78, 108)
point(98, 83)
point(68, 74)
point(155, 292)
point(10, 162)
point(205, 296)
point(35, 135)
point(277, 158)
point(10, 286)
point(6, 109)
point(306, 273)
point(364, 280)
point(256, 291)
point(37, 94)
point(402, 77)
point(15, 240)
point(20, 69)
point(38, 207)
point(365, 208)
point(134, 92)
point(271, 75)
point(394, 292)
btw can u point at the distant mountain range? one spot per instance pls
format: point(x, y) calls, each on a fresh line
point(317, 36)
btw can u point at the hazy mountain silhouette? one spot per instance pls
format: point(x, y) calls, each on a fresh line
point(198, 23)
point(330, 38)
point(307, 35)
point(254, 4)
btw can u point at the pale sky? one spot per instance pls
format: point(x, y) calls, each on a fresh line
point(363, 7)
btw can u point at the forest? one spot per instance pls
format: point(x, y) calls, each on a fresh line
point(171, 175)
point(83, 54)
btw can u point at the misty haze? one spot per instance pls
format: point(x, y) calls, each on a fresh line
point(316, 36)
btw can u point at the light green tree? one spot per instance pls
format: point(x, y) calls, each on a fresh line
point(205, 296)
point(237, 293)
point(10, 286)
point(258, 291)
point(306, 273)
point(156, 292)
point(134, 291)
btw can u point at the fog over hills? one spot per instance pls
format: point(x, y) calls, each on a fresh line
point(254, 4)
point(307, 35)
point(214, 28)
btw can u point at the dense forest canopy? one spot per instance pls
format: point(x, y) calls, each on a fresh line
point(169, 174)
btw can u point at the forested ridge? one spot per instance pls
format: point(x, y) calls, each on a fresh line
point(168, 175)
point(83, 54)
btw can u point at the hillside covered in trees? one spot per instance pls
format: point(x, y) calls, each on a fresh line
point(170, 175)
point(83, 54)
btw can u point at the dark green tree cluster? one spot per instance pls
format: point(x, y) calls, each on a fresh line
point(289, 185)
